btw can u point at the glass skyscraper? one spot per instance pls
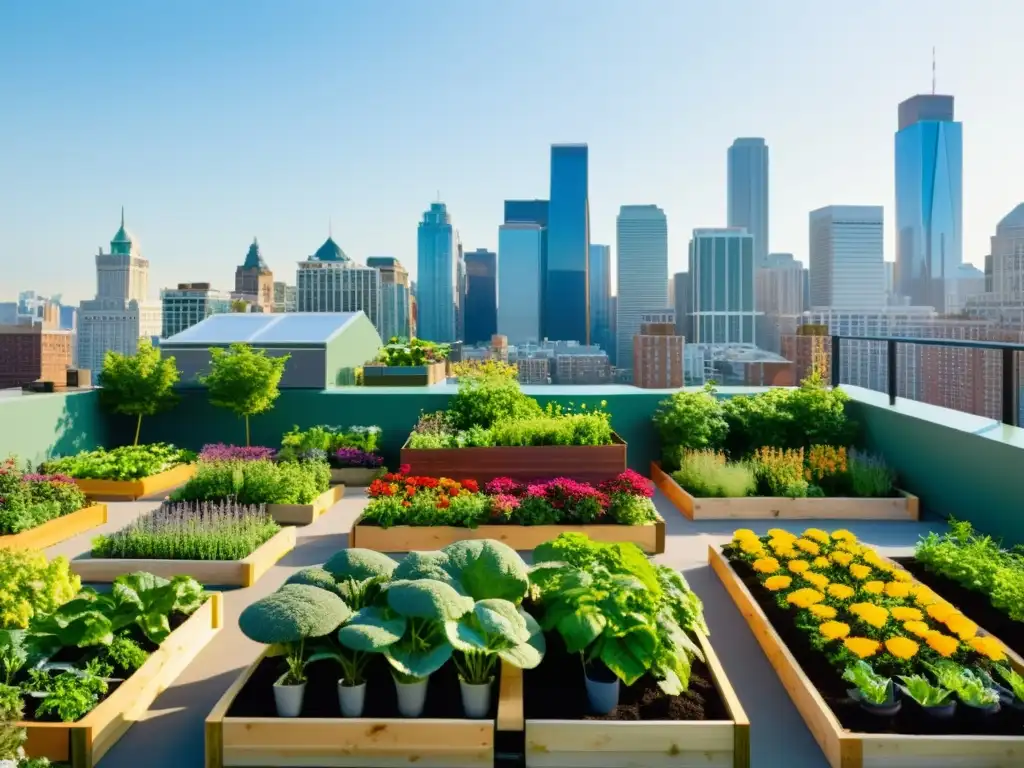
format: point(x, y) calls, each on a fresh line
point(481, 300)
point(748, 191)
point(641, 233)
point(519, 282)
point(395, 316)
point(566, 299)
point(721, 301)
point(436, 276)
point(532, 212)
point(929, 199)
point(601, 298)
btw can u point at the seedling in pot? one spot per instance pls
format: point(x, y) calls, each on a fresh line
point(934, 700)
point(1016, 683)
point(973, 690)
point(874, 692)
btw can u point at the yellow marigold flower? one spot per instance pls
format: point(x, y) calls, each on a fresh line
point(902, 647)
point(804, 598)
point(798, 566)
point(788, 553)
point(823, 611)
point(988, 646)
point(915, 627)
point(944, 645)
point(743, 533)
point(923, 596)
point(843, 558)
point(862, 647)
point(819, 580)
point(873, 587)
point(897, 589)
point(808, 546)
point(844, 535)
point(839, 591)
point(752, 547)
point(766, 565)
point(859, 571)
point(940, 611)
point(875, 615)
point(834, 630)
point(820, 562)
point(961, 626)
point(816, 534)
point(901, 575)
point(906, 613)
point(778, 533)
point(775, 583)
point(846, 546)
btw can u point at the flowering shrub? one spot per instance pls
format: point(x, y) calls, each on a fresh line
point(629, 482)
point(223, 452)
point(356, 458)
point(29, 499)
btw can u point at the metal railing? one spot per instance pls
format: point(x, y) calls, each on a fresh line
point(1010, 385)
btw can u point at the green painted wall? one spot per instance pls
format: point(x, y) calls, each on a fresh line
point(35, 427)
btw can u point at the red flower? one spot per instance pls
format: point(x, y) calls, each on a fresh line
point(471, 485)
point(404, 469)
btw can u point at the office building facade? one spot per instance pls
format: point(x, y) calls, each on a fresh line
point(481, 299)
point(437, 275)
point(780, 285)
point(847, 268)
point(330, 281)
point(641, 233)
point(284, 297)
point(601, 298)
point(395, 309)
point(188, 304)
point(254, 282)
point(721, 302)
point(566, 292)
point(748, 191)
point(519, 283)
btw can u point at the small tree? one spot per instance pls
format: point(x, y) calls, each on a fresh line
point(140, 384)
point(244, 380)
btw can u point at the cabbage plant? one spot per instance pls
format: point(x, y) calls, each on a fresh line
point(359, 574)
point(481, 569)
point(494, 629)
point(1013, 679)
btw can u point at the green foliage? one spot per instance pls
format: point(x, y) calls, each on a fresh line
point(481, 569)
point(140, 384)
point(297, 441)
point(11, 713)
point(296, 612)
point(125, 463)
point(30, 586)
point(485, 400)
point(404, 352)
point(314, 576)
point(1013, 679)
point(494, 629)
point(780, 472)
point(29, 500)
point(869, 477)
point(920, 689)
point(70, 695)
point(359, 574)
point(14, 654)
point(691, 421)
point(244, 380)
point(464, 511)
point(257, 482)
point(972, 689)
point(125, 654)
point(708, 474)
point(875, 688)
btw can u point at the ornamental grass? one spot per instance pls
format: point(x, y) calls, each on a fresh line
point(191, 531)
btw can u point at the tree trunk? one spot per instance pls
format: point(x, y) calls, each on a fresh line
point(246, 430)
point(138, 427)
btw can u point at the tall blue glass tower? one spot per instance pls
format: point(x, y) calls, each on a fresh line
point(566, 307)
point(929, 199)
point(532, 212)
point(601, 298)
point(436, 276)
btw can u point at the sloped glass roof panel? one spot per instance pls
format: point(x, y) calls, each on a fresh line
point(224, 329)
point(259, 328)
point(304, 327)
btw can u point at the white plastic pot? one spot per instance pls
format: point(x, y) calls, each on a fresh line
point(352, 699)
point(476, 698)
point(288, 699)
point(412, 697)
point(602, 695)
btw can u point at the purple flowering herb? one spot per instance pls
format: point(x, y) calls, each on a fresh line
point(356, 458)
point(222, 452)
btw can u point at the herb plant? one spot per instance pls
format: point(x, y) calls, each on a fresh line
point(70, 695)
point(222, 452)
point(125, 463)
point(404, 352)
point(709, 474)
point(875, 688)
point(244, 380)
point(256, 482)
point(138, 385)
point(31, 586)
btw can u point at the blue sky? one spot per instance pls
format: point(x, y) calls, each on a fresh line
point(212, 122)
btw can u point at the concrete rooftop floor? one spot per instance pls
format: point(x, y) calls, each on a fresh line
point(171, 735)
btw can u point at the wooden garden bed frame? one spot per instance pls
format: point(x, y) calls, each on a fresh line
point(83, 743)
point(57, 530)
point(847, 749)
point(650, 537)
point(130, 490)
point(902, 507)
point(652, 744)
point(305, 514)
point(221, 573)
point(358, 742)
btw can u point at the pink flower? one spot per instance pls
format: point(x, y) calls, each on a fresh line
point(503, 485)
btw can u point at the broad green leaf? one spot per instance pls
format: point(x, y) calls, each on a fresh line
point(465, 634)
point(360, 564)
point(536, 633)
point(580, 628)
point(372, 630)
point(618, 657)
point(501, 619)
point(418, 663)
point(486, 569)
point(155, 626)
point(524, 656)
point(423, 565)
point(427, 599)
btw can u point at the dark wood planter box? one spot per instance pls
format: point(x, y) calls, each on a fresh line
point(404, 375)
point(592, 463)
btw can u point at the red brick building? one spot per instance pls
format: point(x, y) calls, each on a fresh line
point(32, 353)
point(810, 349)
point(658, 357)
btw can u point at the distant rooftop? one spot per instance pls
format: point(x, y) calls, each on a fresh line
point(1013, 220)
point(329, 251)
point(263, 329)
point(925, 107)
point(254, 258)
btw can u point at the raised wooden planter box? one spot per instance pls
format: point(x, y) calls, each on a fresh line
point(358, 742)
point(57, 530)
point(83, 743)
point(524, 538)
point(356, 477)
point(221, 573)
point(902, 507)
point(592, 463)
point(136, 489)
point(304, 514)
point(404, 375)
point(651, 744)
point(848, 749)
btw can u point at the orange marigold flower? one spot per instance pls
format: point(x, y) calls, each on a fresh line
point(798, 566)
point(823, 611)
point(775, 583)
point(902, 647)
point(862, 647)
point(839, 591)
point(906, 613)
point(834, 630)
point(988, 646)
point(766, 565)
point(875, 615)
point(940, 611)
point(916, 627)
point(803, 598)
point(860, 571)
point(944, 645)
point(961, 626)
point(873, 587)
point(897, 589)
point(819, 580)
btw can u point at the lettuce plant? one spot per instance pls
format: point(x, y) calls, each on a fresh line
point(478, 569)
point(920, 689)
point(1013, 679)
point(972, 689)
point(876, 689)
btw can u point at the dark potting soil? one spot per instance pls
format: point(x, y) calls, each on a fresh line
point(556, 691)
point(444, 696)
point(974, 605)
point(910, 720)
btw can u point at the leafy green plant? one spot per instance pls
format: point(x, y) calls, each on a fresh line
point(1013, 679)
point(138, 385)
point(484, 401)
point(244, 380)
point(358, 574)
point(31, 586)
point(972, 689)
point(875, 688)
point(921, 690)
point(70, 695)
point(690, 421)
point(708, 474)
point(404, 352)
point(124, 463)
point(256, 482)
point(869, 476)
point(494, 629)
point(482, 569)
point(297, 442)
point(11, 713)
point(14, 654)
point(125, 654)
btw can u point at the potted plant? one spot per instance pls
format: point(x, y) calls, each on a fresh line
point(933, 700)
point(359, 575)
point(1015, 698)
point(974, 691)
point(875, 693)
point(285, 620)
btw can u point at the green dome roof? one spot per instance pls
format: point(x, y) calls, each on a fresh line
point(254, 259)
point(330, 251)
point(123, 240)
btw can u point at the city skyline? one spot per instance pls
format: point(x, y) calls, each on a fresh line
point(287, 173)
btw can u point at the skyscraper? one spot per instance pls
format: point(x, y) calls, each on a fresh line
point(847, 270)
point(395, 312)
point(682, 295)
point(722, 287)
point(481, 296)
point(254, 282)
point(436, 276)
point(190, 303)
point(748, 191)
point(601, 298)
point(532, 212)
point(641, 233)
point(330, 281)
point(929, 199)
point(519, 282)
point(780, 285)
point(566, 297)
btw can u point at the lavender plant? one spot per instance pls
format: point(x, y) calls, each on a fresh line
point(222, 452)
point(354, 457)
point(191, 531)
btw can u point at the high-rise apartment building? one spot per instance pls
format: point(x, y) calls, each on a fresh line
point(436, 276)
point(601, 298)
point(929, 199)
point(121, 313)
point(395, 310)
point(847, 268)
point(641, 233)
point(748, 191)
point(721, 303)
point(682, 295)
point(779, 283)
point(33, 352)
point(329, 281)
point(481, 300)
point(254, 282)
point(533, 212)
point(566, 292)
point(284, 297)
point(189, 304)
point(519, 282)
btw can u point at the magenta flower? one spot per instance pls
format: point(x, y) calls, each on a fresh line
point(629, 482)
point(503, 485)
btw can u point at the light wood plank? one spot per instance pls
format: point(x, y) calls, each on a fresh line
point(135, 489)
point(891, 751)
point(510, 699)
point(57, 530)
point(306, 514)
